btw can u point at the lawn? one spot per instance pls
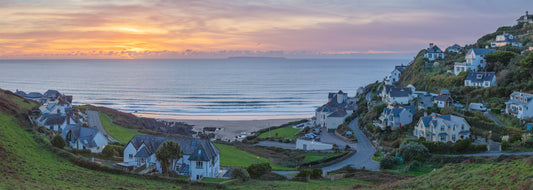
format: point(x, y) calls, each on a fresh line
point(284, 132)
point(312, 156)
point(122, 134)
point(30, 165)
point(231, 156)
point(345, 183)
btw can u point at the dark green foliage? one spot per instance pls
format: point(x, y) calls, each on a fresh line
point(529, 143)
point(168, 152)
point(113, 150)
point(498, 59)
point(388, 162)
point(58, 141)
point(257, 170)
point(317, 173)
point(462, 145)
point(412, 151)
point(271, 176)
point(240, 173)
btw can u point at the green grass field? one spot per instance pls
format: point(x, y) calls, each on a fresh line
point(30, 165)
point(312, 156)
point(344, 183)
point(231, 156)
point(284, 132)
point(122, 134)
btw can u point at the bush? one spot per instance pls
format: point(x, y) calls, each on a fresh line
point(271, 176)
point(257, 170)
point(529, 143)
point(412, 151)
point(240, 173)
point(388, 162)
point(58, 141)
point(317, 173)
point(462, 145)
point(112, 150)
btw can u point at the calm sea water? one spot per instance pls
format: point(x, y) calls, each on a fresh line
point(198, 89)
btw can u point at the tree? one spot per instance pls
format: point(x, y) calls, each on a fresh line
point(167, 153)
point(239, 173)
point(257, 170)
point(58, 141)
point(413, 151)
point(503, 57)
point(388, 162)
point(527, 61)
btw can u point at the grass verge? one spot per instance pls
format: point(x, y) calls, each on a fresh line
point(123, 135)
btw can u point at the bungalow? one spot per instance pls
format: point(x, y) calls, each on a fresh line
point(519, 104)
point(455, 48)
point(396, 116)
point(200, 157)
point(434, 52)
point(82, 138)
point(481, 79)
point(394, 76)
point(444, 99)
point(474, 59)
point(442, 128)
point(504, 40)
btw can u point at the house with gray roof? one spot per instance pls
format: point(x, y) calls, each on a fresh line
point(83, 138)
point(527, 18)
point(396, 116)
point(504, 40)
point(519, 104)
point(444, 99)
point(396, 95)
point(394, 76)
point(475, 59)
point(333, 113)
point(455, 48)
point(442, 128)
point(434, 52)
point(201, 158)
point(481, 79)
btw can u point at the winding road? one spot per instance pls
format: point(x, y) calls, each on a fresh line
point(363, 157)
point(93, 120)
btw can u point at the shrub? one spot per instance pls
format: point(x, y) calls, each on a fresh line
point(412, 151)
point(58, 141)
point(112, 150)
point(388, 162)
point(271, 176)
point(317, 173)
point(529, 143)
point(462, 145)
point(240, 173)
point(257, 170)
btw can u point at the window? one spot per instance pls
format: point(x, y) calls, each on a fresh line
point(442, 138)
point(131, 156)
point(199, 165)
point(441, 128)
point(463, 127)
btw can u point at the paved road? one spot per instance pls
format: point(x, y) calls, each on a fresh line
point(494, 118)
point(493, 154)
point(93, 120)
point(277, 144)
point(363, 157)
point(331, 138)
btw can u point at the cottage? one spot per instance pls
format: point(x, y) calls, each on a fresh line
point(396, 116)
point(442, 128)
point(200, 157)
point(394, 76)
point(519, 104)
point(504, 40)
point(474, 60)
point(525, 18)
point(434, 52)
point(396, 95)
point(83, 138)
point(455, 48)
point(481, 79)
point(444, 99)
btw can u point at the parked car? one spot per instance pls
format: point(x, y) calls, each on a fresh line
point(477, 107)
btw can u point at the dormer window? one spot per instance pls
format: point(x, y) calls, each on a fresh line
point(479, 76)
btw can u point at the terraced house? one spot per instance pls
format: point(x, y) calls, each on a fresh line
point(442, 128)
point(200, 157)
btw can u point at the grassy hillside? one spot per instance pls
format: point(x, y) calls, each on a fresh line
point(123, 135)
point(284, 132)
point(28, 164)
point(231, 156)
point(504, 174)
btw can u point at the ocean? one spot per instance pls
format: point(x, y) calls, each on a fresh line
point(214, 89)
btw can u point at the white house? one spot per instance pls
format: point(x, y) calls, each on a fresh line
point(333, 113)
point(481, 79)
point(396, 95)
point(396, 116)
point(474, 59)
point(444, 99)
point(434, 52)
point(201, 158)
point(82, 138)
point(442, 128)
point(455, 48)
point(525, 18)
point(519, 104)
point(303, 144)
point(394, 76)
point(505, 39)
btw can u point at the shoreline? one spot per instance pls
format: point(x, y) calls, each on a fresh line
point(233, 128)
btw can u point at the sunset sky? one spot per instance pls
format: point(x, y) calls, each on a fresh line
point(217, 29)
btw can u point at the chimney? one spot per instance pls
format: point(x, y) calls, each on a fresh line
point(430, 45)
point(425, 113)
point(527, 14)
point(68, 119)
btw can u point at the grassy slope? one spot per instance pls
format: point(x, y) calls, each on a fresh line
point(340, 184)
point(120, 133)
point(312, 156)
point(514, 174)
point(284, 132)
point(231, 156)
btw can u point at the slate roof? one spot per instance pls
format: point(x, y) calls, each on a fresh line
point(338, 113)
point(525, 18)
point(189, 146)
point(482, 51)
point(53, 119)
point(454, 47)
point(399, 92)
point(34, 95)
point(443, 97)
point(400, 68)
point(514, 95)
point(395, 111)
point(485, 76)
point(52, 94)
point(434, 49)
point(67, 128)
point(84, 135)
point(143, 153)
point(20, 93)
point(507, 38)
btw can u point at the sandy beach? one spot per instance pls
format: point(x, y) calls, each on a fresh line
point(232, 128)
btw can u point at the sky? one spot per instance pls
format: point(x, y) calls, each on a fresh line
point(136, 29)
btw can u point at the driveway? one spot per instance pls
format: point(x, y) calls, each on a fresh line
point(93, 120)
point(494, 118)
point(331, 138)
point(363, 157)
point(289, 146)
